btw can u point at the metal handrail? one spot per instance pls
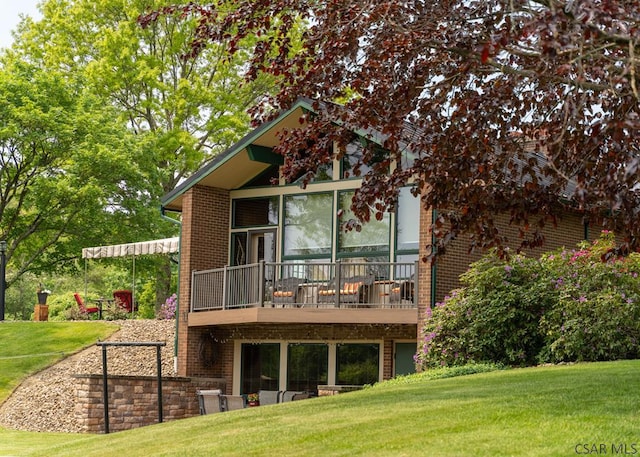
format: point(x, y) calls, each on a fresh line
point(254, 285)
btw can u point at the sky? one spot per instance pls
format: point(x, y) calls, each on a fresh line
point(10, 11)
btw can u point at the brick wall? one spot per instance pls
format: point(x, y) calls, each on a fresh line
point(133, 400)
point(204, 245)
point(568, 233)
point(222, 339)
point(424, 269)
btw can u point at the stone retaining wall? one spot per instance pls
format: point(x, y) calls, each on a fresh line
point(133, 400)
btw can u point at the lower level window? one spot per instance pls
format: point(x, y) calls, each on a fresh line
point(307, 366)
point(260, 367)
point(357, 364)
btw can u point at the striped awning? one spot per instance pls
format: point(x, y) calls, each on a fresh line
point(164, 246)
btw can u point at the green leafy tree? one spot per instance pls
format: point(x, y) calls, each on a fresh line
point(181, 108)
point(65, 176)
point(184, 107)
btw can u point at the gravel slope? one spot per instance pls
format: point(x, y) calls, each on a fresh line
point(45, 402)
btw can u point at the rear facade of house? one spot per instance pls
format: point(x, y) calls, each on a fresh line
point(275, 296)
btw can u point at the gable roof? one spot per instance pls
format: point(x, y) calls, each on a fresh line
point(244, 160)
point(253, 154)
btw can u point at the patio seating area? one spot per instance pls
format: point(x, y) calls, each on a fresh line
point(214, 401)
point(338, 284)
point(122, 301)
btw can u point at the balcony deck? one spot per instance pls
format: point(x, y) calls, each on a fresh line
point(305, 293)
point(304, 316)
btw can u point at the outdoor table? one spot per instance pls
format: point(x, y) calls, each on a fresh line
point(101, 302)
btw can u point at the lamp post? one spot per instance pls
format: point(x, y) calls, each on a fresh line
point(3, 264)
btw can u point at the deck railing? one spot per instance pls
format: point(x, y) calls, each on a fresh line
point(306, 284)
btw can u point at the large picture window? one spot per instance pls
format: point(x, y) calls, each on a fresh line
point(307, 225)
point(373, 239)
point(307, 367)
point(357, 364)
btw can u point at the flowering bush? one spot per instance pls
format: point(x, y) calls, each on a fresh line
point(168, 308)
point(597, 308)
point(565, 306)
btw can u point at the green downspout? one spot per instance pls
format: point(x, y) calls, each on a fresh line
point(175, 337)
point(434, 268)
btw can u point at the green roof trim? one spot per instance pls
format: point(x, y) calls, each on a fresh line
point(244, 143)
point(264, 155)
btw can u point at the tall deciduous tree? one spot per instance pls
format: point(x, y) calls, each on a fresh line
point(185, 108)
point(63, 177)
point(182, 108)
point(524, 107)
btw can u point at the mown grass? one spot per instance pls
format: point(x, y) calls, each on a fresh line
point(27, 347)
point(523, 412)
point(545, 411)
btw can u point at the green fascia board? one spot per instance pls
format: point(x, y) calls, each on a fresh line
point(264, 155)
point(246, 141)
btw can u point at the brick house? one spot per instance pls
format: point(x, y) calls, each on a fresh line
point(273, 296)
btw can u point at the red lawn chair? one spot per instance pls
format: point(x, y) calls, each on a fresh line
point(83, 308)
point(123, 299)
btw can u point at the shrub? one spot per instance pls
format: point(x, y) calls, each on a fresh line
point(596, 314)
point(61, 306)
point(495, 317)
point(168, 308)
point(146, 298)
point(566, 306)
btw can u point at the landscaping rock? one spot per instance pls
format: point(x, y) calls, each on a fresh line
point(45, 402)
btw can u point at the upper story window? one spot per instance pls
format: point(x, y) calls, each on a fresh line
point(353, 160)
point(308, 221)
point(373, 238)
point(264, 179)
point(407, 221)
point(255, 212)
point(323, 173)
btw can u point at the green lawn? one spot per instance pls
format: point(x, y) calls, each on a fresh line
point(521, 412)
point(27, 347)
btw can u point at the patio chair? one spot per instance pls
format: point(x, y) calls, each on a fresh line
point(402, 291)
point(288, 395)
point(269, 397)
point(209, 401)
point(82, 307)
point(352, 290)
point(285, 291)
point(123, 299)
point(301, 396)
point(233, 402)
